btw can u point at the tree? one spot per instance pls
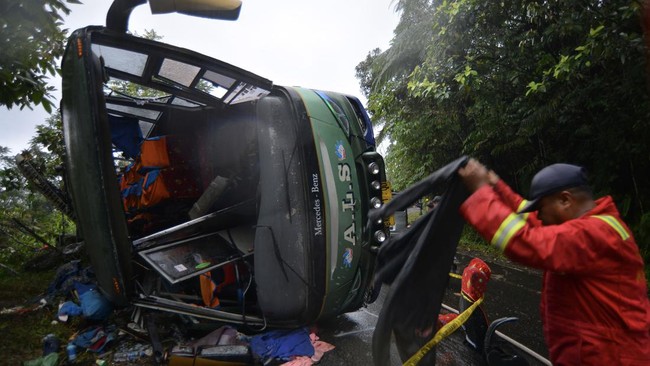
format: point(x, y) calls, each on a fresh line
point(519, 85)
point(21, 201)
point(384, 78)
point(32, 41)
point(21, 204)
point(47, 147)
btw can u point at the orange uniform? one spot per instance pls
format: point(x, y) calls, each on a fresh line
point(595, 307)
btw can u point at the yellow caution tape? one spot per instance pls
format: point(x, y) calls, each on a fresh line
point(442, 333)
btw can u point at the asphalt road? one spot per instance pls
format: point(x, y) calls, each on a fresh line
point(512, 291)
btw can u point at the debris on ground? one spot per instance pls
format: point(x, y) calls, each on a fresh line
point(22, 309)
point(127, 352)
point(95, 333)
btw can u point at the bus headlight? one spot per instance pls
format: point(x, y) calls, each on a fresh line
point(375, 202)
point(373, 168)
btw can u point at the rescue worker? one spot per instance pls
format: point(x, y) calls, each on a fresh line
point(594, 305)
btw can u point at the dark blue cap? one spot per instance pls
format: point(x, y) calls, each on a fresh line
point(554, 178)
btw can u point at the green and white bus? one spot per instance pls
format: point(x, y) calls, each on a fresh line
point(204, 189)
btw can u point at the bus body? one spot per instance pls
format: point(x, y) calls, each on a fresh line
point(201, 188)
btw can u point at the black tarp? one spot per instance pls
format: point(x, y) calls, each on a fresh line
point(416, 265)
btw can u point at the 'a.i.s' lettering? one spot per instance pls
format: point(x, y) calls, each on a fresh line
point(348, 202)
point(344, 172)
point(350, 235)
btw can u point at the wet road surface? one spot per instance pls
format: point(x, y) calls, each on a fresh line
point(512, 291)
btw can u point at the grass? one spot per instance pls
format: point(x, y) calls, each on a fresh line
point(413, 215)
point(23, 332)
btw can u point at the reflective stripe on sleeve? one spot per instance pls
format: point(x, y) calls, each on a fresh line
point(611, 221)
point(508, 228)
point(521, 207)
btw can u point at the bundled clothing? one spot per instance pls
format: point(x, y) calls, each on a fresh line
point(94, 305)
point(282, 344)
point(595, 308)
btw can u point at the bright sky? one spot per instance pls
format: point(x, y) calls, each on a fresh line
point(315, 44)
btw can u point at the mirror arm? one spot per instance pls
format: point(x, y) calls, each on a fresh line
point(118, 15)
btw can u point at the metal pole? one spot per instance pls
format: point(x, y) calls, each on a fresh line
point(529, 351)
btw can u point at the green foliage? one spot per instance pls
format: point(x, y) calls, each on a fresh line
point(519, 85)
point(48, 146)
point(32, 40)
point(413, 215)
point(19, 200)
point(471, 241)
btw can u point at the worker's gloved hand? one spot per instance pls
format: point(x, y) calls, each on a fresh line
point(474, 175)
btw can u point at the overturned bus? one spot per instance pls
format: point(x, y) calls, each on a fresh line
point(204, 189)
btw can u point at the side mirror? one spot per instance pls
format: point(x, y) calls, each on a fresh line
point(214, 9)
point(118, 15)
